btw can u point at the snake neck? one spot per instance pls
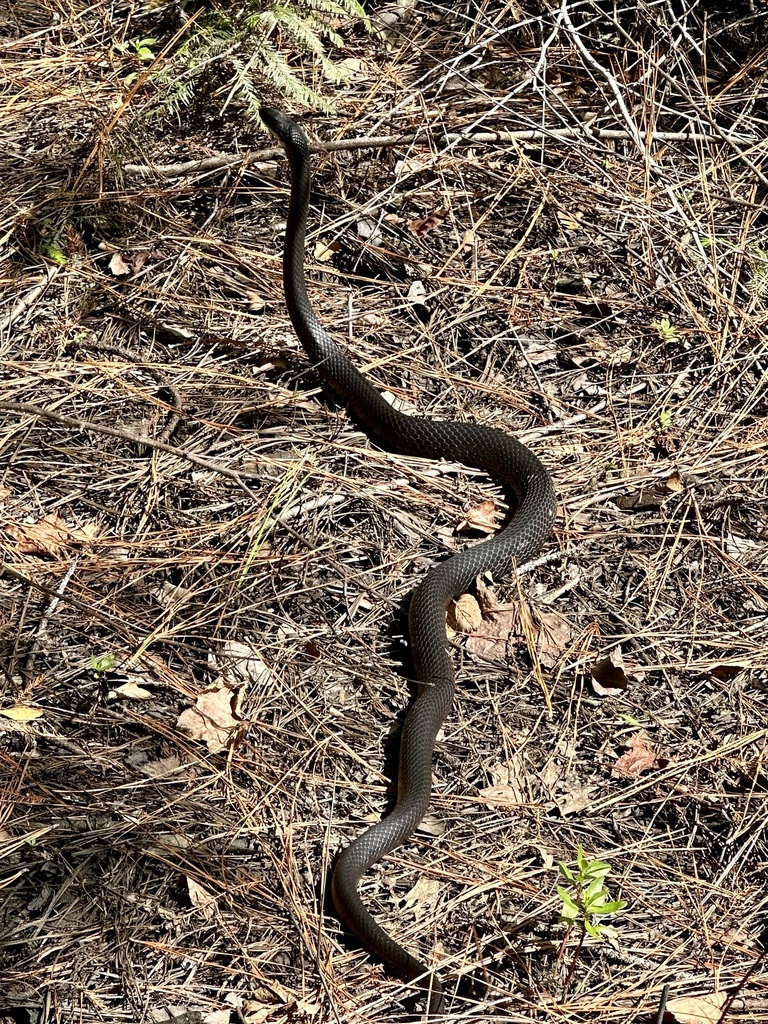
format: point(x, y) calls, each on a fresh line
point(364, 400)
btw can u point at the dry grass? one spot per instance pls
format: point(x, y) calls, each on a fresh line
point(145, 877)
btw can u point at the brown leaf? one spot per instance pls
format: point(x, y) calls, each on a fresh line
point(554, 635)
point(482, 516)
point(47, 536)
point(639, 758)
point(673, 484)
point(464, 614)
point(608, 678)
point(504, 626)
point(201, 899)
point(507, 789)
point(421, 226)
point(140, 261)
point(610, 675)
point(423, 895)
point(696, 1009)
point(213, 719)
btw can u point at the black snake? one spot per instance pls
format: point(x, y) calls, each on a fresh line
point(483, 447)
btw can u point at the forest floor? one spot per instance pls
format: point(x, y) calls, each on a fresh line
point(206, 564)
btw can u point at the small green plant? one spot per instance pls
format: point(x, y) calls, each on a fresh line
point(141, 49)
point(586, 899)
point(665, 329)
point(51, 249)
point(665, 418)
point(102, 663)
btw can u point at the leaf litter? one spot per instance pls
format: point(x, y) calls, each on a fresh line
point(589, 291)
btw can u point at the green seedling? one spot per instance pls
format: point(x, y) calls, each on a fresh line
point(665, 329)
point(586, 898)
point(141, 49)
point(103, 663)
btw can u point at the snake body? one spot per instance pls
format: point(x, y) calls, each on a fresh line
point(475, 445)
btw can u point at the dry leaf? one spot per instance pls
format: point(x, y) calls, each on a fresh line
point(370, 231)
point(201, 899)
point(468, 240)
point(576, 798)
point(423, 894)
point(161, 766)
point(417, 293)
point(374, 319)
point(570, 221)
point(507, 790)
point(22, 714)
point(256, 1013)
point(85, 534)
point(504, 627)
point(697, 1009)
point(568, 793)
point(213, 719)
point(239, 664)
point(610, 676)
point(132, 691)
point(673, 483)
point(414, 164)
point(553, 637)
point(726, 672)
point(482, 516)
point(222, 1016)
point(421, 226)
point(47, 536)
point(430, 824)
point(464, 614)
point(140, 261)
point(118, 266)
point(352, 65)
point(638, 758)
point(308, 1007)
point(325, 251)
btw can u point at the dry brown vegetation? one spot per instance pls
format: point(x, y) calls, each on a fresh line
point(188, 521)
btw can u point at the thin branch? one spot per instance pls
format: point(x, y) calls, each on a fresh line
point(262, 157)
point(125, 435)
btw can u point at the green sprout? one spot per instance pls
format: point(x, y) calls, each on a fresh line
point(141, 49)
point(103, 663)
point(665, 418)
point(587, 898)
point(51, 249)
point(665, 329)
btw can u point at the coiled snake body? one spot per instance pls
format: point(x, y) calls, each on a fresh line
point(483, 447)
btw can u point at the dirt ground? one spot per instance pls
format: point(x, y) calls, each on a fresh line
point(206, 564)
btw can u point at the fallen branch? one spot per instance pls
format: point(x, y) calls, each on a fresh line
point(262, 156)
